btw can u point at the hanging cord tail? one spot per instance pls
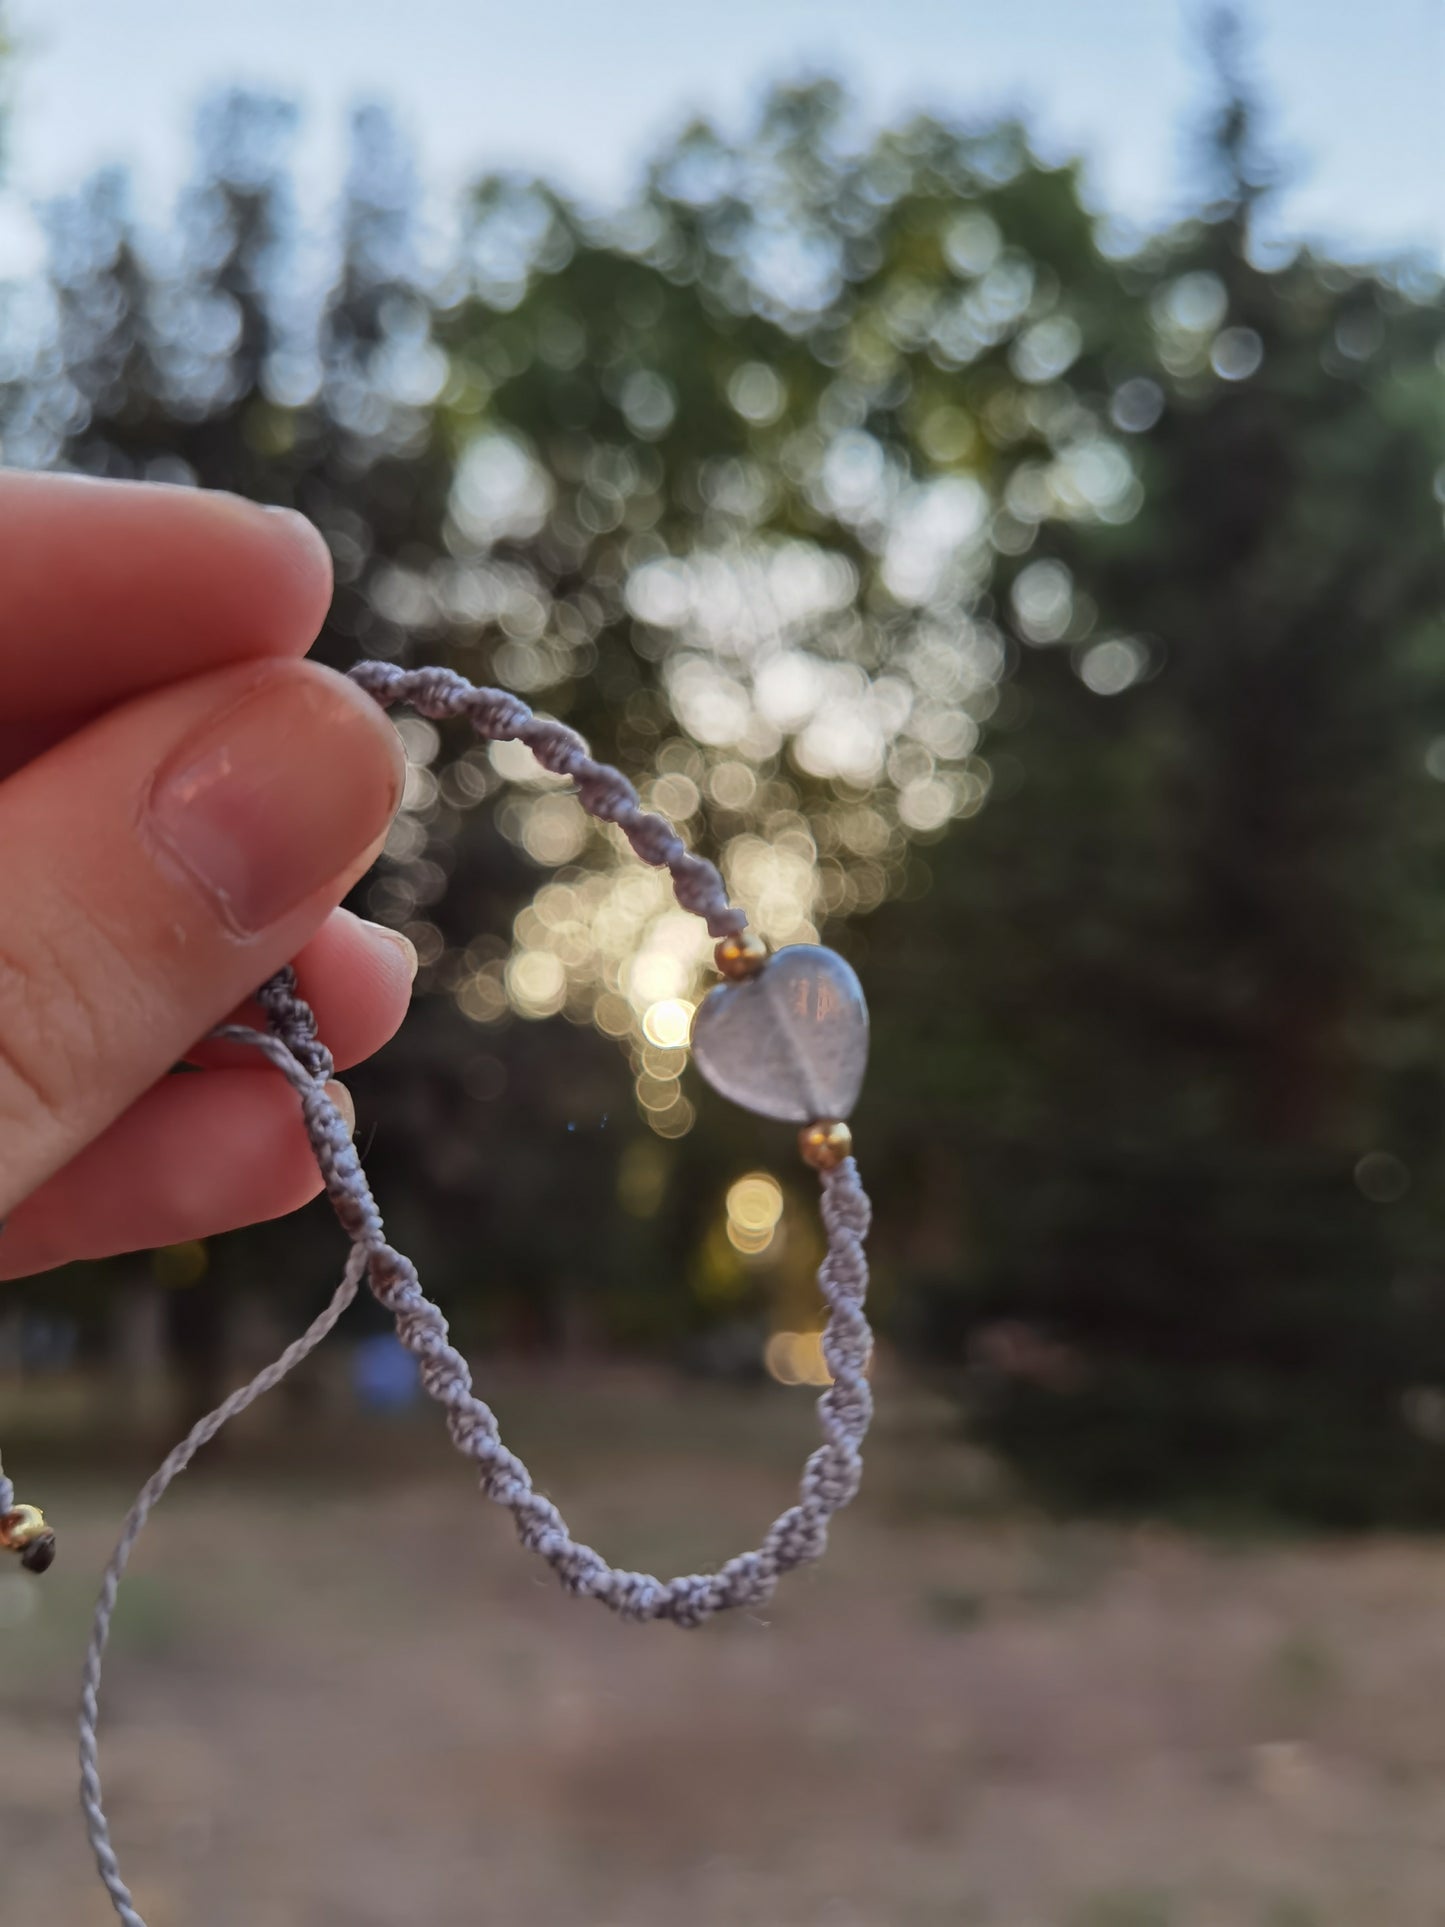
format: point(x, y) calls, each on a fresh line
point(97, 1825)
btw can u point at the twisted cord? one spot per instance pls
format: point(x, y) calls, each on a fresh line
point(832, 1473)
point(603, 792)
point(830, 1477)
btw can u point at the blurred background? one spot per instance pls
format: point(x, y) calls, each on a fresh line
point(983, 478)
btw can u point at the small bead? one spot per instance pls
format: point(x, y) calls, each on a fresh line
point(741, 956)
point(825, 1144)
point(24, 1527)
point(39, 1556)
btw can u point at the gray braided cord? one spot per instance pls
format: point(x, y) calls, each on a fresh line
point(833, 1471)
point(602, 791)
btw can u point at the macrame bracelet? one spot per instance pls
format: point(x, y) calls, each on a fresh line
point(785, 1035)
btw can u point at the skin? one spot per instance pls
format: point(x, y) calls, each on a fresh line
point(184, 802)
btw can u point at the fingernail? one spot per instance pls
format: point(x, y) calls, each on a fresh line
point(342, 1099)
point(403, 943)
point(278, 793)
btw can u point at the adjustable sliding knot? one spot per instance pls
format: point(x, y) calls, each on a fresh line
point(293, 1021)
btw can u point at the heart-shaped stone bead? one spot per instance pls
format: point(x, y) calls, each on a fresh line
point(791, 1042)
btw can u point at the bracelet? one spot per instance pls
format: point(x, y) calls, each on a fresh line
point(784, 1035)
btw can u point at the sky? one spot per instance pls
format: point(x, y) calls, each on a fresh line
point(582, 89)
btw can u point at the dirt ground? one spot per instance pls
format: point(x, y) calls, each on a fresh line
point(340, 1696)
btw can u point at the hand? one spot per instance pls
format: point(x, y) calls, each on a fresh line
point(183, 803)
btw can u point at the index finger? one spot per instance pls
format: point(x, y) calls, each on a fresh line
point(108, 589)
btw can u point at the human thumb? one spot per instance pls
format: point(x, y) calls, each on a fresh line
point(155, 868)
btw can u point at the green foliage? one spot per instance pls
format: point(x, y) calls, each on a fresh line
point(1192, 961)
point(1056, 629)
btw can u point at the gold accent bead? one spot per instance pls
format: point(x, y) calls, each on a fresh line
point(825, 1144)
point(741, 956)
point(23, 1530)
point(21, 1527)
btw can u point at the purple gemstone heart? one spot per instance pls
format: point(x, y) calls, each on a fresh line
point(790, 1043)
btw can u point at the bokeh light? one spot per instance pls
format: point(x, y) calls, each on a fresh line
point(796, 1358)
point(754, 1212)
point(669, 1022)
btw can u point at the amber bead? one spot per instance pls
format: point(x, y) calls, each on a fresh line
point(741, 956)
point(23, 1530)
point(825, 1144)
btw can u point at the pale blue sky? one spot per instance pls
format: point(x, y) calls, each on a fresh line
point(582, 87)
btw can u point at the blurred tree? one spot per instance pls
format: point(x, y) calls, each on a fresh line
point(1050, 617)
point(1193, 1020)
